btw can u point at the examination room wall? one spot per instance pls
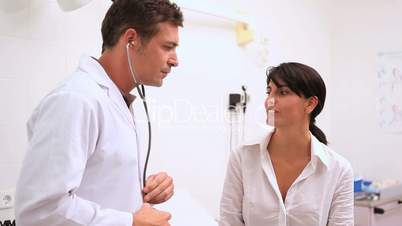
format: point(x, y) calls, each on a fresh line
point(360, 30)
point(40, 45)
point(212, 65)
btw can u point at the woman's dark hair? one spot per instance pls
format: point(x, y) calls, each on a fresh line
point(305, 82)
point(142, 15)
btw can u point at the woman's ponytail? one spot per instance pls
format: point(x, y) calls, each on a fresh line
point(317, 132)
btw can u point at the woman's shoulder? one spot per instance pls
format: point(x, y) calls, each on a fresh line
point(246, 150)
point(336, 160)
point(249, 152)
point(254, 144)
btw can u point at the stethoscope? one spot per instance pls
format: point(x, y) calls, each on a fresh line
point(141, 92)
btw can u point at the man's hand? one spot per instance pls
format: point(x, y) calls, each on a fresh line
point(148, 216)
point(159, 188)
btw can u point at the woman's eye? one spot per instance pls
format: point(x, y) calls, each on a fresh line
point(284, 92)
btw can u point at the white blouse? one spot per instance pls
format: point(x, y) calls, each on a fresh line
point(321, 195)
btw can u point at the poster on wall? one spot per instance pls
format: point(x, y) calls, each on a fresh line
point(389, 99)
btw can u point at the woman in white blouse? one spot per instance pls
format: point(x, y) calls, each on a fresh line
point(290, 177)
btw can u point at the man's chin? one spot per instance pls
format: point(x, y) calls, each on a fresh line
point(154, 83)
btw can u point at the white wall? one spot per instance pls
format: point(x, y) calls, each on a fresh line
point(40, 45)
point(360, 30)
point(211, 67)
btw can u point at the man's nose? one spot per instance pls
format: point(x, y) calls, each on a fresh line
point(173, 61)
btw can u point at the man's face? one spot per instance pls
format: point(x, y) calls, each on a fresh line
point(154, 59)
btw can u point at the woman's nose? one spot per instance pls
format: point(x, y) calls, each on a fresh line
point(270, 103)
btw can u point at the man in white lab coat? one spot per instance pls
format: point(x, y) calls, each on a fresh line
point(84, 161)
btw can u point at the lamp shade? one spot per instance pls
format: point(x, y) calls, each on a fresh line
point(13, 5)
point(70, 5)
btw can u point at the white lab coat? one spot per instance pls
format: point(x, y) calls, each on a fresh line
point(83, 165)
point(321, 195)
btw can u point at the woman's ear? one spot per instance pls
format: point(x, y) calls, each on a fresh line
point(312, 102)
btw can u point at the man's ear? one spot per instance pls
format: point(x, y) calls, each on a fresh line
point(312, 102)
point(131, 37)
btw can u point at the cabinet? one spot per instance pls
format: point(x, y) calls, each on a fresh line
point(382, 212)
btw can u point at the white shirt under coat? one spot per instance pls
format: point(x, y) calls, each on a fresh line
point(321, 195)
point(83, 165)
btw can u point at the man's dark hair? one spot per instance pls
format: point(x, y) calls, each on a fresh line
point(142, 15)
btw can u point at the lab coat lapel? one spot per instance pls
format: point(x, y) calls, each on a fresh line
point(141, 125)
point(98, 74)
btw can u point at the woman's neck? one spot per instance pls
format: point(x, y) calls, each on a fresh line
point(290, 142)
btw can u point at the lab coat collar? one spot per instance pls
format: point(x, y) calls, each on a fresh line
point(92, 67)
point(98, 74)
point(318, 150)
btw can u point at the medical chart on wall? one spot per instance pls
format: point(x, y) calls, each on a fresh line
point(389, 97)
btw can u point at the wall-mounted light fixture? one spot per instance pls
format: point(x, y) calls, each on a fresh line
point(70, 5)
point(13, 5)
point(244, 35)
